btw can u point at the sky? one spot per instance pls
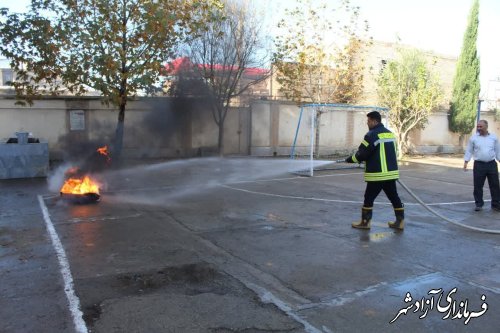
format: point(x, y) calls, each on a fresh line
point(431, 25)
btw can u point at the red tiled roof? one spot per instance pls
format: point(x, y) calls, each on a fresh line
point(176, 65)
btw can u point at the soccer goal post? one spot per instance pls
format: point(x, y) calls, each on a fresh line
point(328, 133)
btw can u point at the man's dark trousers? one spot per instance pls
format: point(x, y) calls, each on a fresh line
point(483, 170)
point(389, 186)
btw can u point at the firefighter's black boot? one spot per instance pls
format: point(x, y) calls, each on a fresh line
point(366, 217)
point(399, 224)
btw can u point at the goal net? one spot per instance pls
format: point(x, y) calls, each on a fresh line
point(326, 134)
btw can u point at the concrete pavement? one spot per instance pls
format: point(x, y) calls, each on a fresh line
point(229, 246)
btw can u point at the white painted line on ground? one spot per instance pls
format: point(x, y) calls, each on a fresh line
point(74, 302)
point(336, 200)
point(349, 297)
point(268, 297)
point(288, 196)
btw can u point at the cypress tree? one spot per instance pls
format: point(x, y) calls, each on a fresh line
point(466, 85)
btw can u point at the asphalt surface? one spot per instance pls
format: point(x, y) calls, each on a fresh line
point(241, 245)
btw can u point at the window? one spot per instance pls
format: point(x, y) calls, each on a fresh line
point(6, 77)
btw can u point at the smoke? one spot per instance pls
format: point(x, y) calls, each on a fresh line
point(168, 182)
point(160, 130)
point(166, 128)
point(57, 177)
point(77, 166)
point(83, 153)
point(161, 121)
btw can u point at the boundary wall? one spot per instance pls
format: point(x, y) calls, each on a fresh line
point(168, 128)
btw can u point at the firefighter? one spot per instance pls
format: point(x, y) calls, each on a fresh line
point(379, 152)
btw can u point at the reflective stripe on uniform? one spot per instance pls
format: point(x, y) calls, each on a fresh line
point(385, 137)
point(383, 141)
point(383, 161)
point(381, 176)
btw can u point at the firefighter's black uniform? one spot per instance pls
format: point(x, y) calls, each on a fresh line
point(379, 152)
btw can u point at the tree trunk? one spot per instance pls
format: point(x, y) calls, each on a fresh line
point(221, 111)
point(461, 138)
point(118, 144)
point(405, 146)
point(400, 145)
point(220, 145)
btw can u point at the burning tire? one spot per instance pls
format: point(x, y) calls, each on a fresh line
point(81, 199)
point(80, 190)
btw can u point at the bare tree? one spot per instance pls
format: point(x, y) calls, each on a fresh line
point(220, 58)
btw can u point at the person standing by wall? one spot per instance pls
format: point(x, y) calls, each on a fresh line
point(378, 151)
point(485, 149)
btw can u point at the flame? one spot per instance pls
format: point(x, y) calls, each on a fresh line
point(71, 172)
point(104, 151)
point(80, 186)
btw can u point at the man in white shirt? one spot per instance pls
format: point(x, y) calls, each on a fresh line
point(484, 148)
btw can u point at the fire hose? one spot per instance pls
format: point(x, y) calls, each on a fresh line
point(423, 204)
point(490, 231)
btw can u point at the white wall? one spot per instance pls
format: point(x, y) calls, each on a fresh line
point(154, 128)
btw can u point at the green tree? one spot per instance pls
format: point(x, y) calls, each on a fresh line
point(317, 54)
point(466, 85)
point(411, 91)
point(115, 47)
